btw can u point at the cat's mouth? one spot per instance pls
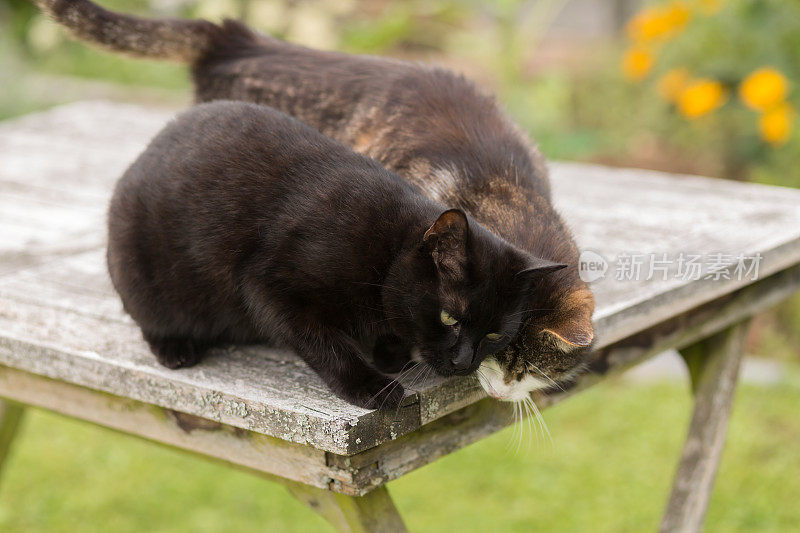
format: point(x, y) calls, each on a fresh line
point(491, 377)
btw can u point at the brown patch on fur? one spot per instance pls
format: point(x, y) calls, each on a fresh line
point(573, 324)
point(363, 142)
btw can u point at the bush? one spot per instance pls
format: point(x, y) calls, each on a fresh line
point(721, 77)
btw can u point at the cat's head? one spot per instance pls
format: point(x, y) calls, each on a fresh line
point(460, 293)
point(550, 350)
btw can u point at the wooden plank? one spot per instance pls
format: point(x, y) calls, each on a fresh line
point(239, 447)
point(252, 451)
point(274, 457)
point(618, 211)
point(39, 225)
point(257, 389)
point(59, 316)
point(715, 386)
point(57, 170)
point(372, 513)
point(10, 417)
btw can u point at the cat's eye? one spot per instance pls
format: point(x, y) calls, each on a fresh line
point(447, 319)
point(494, 336)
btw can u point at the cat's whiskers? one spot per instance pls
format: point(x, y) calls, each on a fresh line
point(523, 311)
point(406, 367)
point(523, 423)
point(531, 425)
point(517, 428)
point(416, 380)
point(394, 383)
point(493, 370)
point(548, 378)
point(514, 433)
point(391, 384)
point(397, 381)
point(425, 375)
point(492, 392)
point(526, 408)
point(525, 418)
point(540, 418)
point(482, 377)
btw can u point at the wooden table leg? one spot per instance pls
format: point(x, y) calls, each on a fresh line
point(10, 417)
point(373, 513)
point(714, 366)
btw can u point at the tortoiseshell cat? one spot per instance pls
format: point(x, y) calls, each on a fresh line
point(241, 224)
point(435, 129)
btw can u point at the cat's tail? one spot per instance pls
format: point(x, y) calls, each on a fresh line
point(185, 41)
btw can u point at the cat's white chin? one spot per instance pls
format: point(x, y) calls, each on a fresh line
point(491, 377)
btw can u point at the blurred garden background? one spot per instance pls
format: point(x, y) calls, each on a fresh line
point(690, 86)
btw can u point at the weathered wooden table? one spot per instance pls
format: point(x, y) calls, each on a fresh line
point(65, 344)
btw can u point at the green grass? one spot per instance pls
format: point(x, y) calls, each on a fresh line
point(609, 469)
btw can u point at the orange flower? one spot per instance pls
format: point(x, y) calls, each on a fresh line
point(637, 63)
point(647, 25)
point(700, 97)
point(764, 88)
point(658, 22)
point(677, 15)
point(775, 125)
point(672, 84)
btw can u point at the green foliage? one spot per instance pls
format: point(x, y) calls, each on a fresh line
point(743, 36)
point(415, 25)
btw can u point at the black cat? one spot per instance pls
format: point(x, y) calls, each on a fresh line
point(435, 129)
point(241, 224)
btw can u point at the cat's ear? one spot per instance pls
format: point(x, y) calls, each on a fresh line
point(536, 268)
point(572, 328)
point(446, 240)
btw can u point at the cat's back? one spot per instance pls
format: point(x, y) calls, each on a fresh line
point(217, 186)
point(220, 171)
point(227, 151)
point(228, 134)
point(408, 116)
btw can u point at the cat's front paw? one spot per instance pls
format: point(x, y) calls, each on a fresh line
point(383, 394)
point(176, 352)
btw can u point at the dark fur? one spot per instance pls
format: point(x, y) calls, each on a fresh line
point(241, 224)
point(424, 123)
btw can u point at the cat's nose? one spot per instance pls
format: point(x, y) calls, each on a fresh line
point(463, 359)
